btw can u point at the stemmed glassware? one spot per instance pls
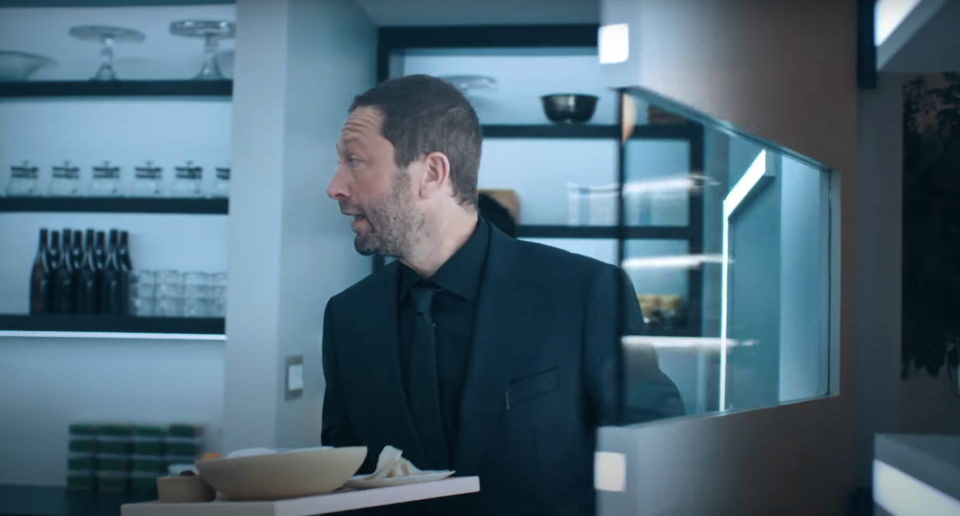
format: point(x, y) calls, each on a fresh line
point(107, 37)
point(212, 32)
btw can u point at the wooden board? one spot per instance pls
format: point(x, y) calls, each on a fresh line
point(339, 501)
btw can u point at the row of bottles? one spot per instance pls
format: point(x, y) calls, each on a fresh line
point(77, 275)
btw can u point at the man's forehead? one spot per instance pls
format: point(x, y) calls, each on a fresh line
point(363, 120)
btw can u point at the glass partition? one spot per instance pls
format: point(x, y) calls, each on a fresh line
point(737, 312)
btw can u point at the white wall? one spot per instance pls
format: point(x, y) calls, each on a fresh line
point(879, 276)
point(783, 71)
point(46, 384)
point(299, 64)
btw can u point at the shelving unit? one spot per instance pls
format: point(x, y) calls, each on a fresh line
point(110, 324)
point(114, 205)
point(185, 88)
point(605, 132)
point(106, 326)
point(397, 43)
point(592, 131)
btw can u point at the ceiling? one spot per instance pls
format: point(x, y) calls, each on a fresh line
point(926, 41)
point(480, 12)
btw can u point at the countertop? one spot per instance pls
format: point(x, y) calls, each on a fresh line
point(917, 470)
point(59, 501)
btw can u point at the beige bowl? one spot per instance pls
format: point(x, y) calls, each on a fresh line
point(290, 474)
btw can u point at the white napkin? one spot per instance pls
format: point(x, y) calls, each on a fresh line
point(391, 464)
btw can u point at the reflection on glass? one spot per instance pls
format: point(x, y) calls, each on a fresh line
point(738, 311)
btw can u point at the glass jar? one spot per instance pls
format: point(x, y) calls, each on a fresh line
point(106, 181)
point(66, 180)
point(188, 181)
point(23, 180)
point(147, 181)
point(221, 187)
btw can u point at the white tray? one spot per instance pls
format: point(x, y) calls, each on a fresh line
point(324, 504)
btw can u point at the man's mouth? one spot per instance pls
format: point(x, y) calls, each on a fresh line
point(357, 221)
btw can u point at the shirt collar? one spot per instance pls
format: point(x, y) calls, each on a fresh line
point(461, 274)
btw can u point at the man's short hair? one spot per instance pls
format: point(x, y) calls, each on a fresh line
point(423, 114)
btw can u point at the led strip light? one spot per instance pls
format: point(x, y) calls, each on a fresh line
point(682, 342)
point(732, 201)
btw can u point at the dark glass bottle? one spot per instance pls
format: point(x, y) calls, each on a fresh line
point(100, 251)
point(123, 253)
point(64, 292)
point(76, 250)
point(87, 284)
point(41, 297)
point(126, 265)
point(53, 251)
point(111, 288)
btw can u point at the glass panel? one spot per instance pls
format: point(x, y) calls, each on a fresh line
point(752, 327)
point(521, 77)
point(658, 182)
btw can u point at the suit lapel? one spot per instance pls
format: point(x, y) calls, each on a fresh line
point(500, 313)
point(378, 350)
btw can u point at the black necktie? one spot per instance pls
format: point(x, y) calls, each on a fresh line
point(424, 383)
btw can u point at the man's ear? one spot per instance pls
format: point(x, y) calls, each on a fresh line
point(436, 174)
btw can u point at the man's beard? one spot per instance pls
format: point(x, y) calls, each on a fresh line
point(393, 222)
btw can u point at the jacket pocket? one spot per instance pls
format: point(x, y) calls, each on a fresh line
point(533, 386)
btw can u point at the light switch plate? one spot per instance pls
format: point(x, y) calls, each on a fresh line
point(294, 384)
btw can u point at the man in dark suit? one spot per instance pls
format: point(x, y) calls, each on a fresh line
point(473, 351)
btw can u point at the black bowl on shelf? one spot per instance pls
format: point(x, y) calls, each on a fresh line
point(569, 108)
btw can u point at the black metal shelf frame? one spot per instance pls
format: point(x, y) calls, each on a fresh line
point(114, 205)
point(591, 131)
point(184, 88)
point(68, 323)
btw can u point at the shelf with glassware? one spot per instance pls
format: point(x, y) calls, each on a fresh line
point(16, 67)
point(86, 282)
point(108, 192)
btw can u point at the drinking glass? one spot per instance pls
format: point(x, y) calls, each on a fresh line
point(142, 291)
point(169, 294)
point(196, 294)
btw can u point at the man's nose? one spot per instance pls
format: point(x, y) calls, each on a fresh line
point(337, 190)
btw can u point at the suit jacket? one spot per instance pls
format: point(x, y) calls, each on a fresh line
point(542, 377)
